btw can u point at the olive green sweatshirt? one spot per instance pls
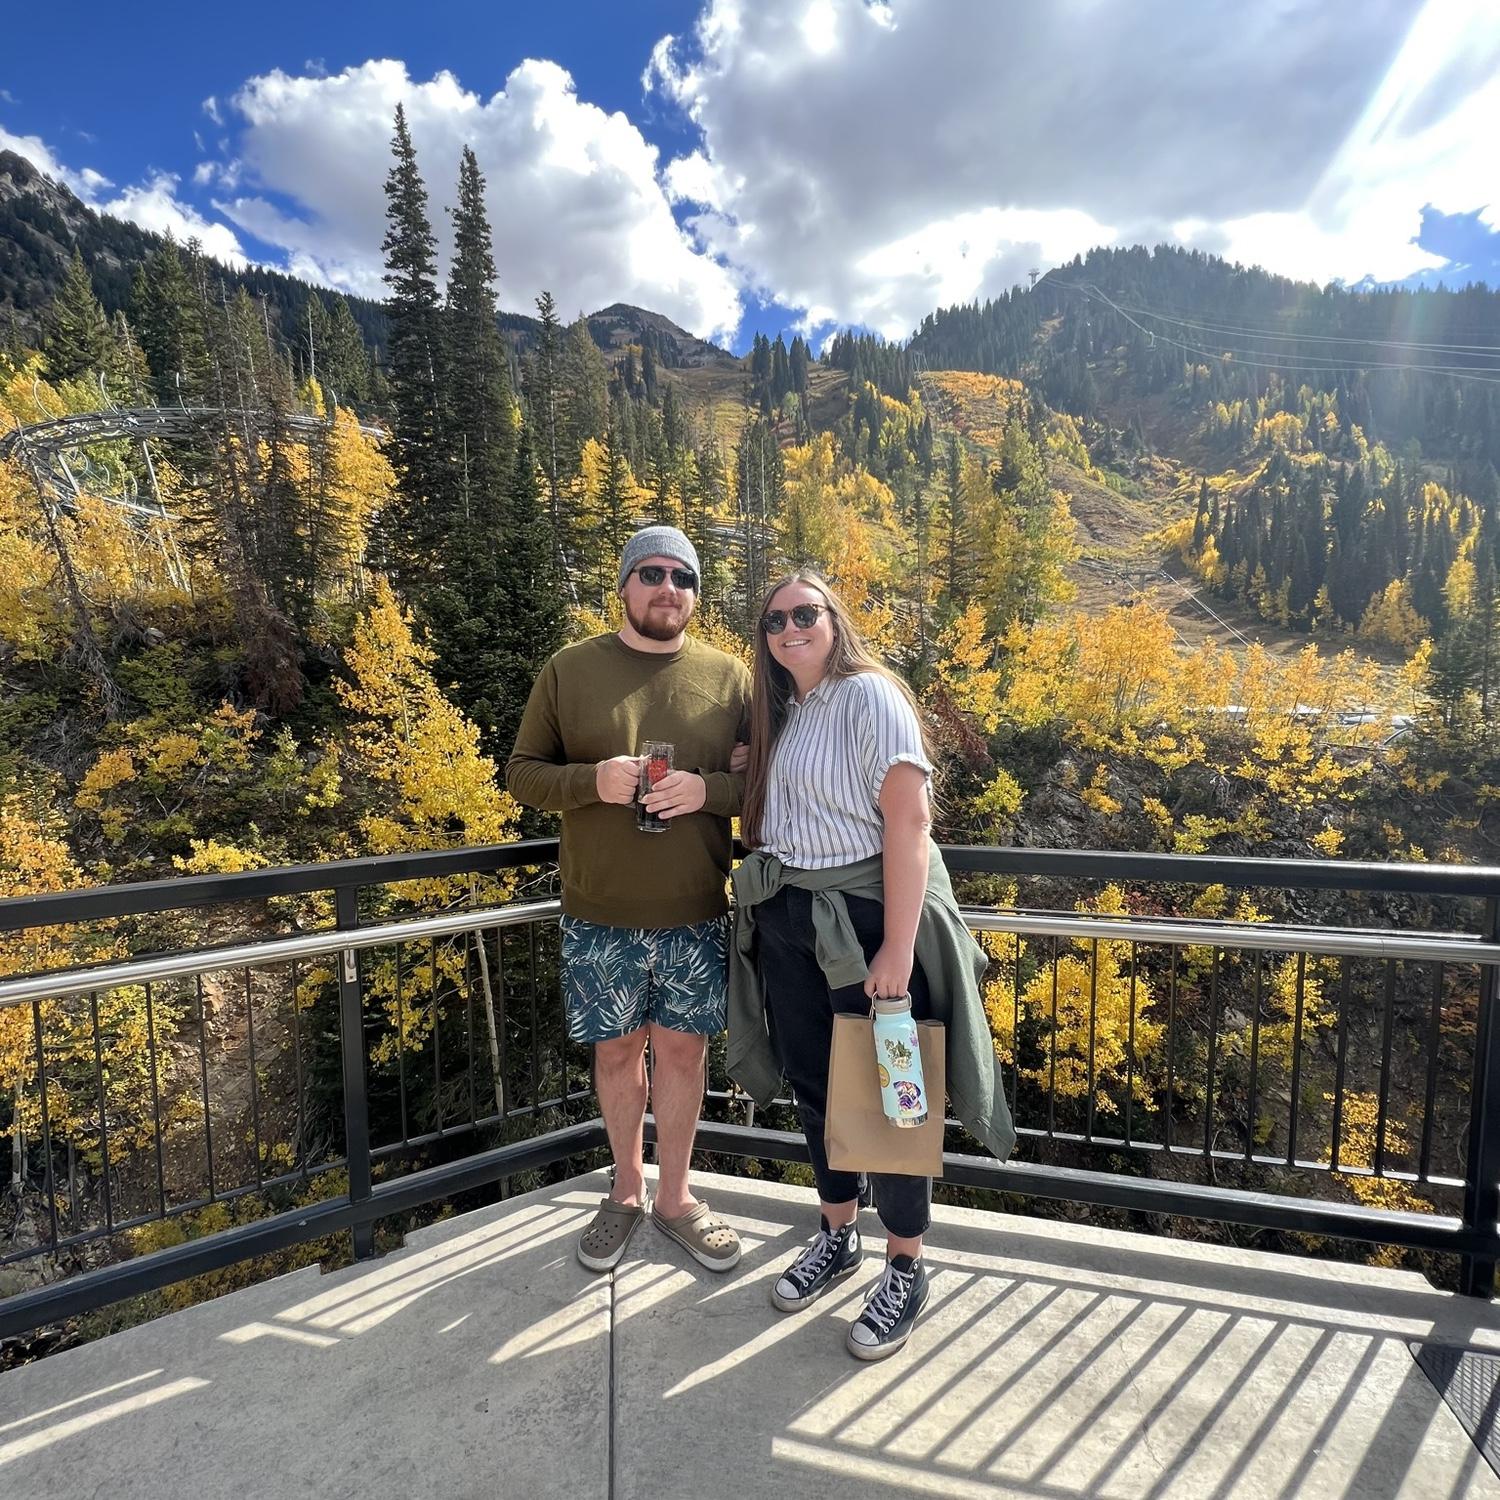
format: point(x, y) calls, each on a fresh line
point(599, 699)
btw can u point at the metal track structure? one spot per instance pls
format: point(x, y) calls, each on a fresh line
point(55, 453)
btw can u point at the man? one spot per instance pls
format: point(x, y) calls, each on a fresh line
point(644, 927)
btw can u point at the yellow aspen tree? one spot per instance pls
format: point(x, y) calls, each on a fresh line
point(964, 670)
point(1096, 996)
point(137, 1063)
point(431, 789)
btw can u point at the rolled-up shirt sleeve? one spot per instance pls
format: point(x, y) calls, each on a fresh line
point(889, 733)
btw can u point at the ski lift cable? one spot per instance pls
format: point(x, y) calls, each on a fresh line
point(1269, 360)
point(1286, 365)
point(1271, 334)
point(1193, 320)
point(1290, 359)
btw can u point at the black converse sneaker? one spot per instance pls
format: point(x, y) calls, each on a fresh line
point(891, 1309)
point(834, 1253)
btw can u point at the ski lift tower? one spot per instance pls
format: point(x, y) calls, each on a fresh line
point(1034, 272)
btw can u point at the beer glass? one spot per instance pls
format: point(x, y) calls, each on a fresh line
point(656, 762)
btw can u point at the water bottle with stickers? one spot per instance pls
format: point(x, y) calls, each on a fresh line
point(898, 1062)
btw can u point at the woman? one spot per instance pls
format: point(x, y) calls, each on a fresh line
point(844, 878)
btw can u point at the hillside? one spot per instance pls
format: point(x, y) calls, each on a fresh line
point(1138, 349)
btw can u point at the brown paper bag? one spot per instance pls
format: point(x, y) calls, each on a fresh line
point(856, 1132)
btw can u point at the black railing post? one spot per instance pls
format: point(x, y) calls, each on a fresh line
point(356, 1095)
point(1482, 1168)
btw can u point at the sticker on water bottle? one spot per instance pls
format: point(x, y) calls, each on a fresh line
point(908, 1095)
point(900, 1053)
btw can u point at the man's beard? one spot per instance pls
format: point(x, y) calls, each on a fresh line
point(658, 628)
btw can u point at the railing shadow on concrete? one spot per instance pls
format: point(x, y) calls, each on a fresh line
point(1054, 1362)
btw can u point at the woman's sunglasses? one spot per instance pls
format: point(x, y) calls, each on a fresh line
point(653, 575)
point(804, 617)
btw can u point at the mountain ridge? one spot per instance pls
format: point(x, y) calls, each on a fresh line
point(42, 221)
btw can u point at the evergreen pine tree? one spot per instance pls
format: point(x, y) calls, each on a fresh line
point(76, 343)
point(126, 375)
point(509, 618)
point(167, 310)
point(544, 404)
point(424, 513)
point(585, 386)
point(1200, 516)
point(480, 426)
point(348, 361)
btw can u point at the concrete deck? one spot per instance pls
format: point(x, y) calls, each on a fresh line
point(482, 1360)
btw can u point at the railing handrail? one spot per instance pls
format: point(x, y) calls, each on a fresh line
point(1258, 936)
point(99, 903)
point(55, 908)
point(308, 945)
point(1333, 942)
point(1408, 877)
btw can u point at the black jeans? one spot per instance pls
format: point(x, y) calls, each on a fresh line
point(802, 1008)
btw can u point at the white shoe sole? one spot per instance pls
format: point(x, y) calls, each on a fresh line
point(790, 1305)
point(883, 1351)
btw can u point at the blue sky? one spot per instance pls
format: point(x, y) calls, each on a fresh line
point(792, 163)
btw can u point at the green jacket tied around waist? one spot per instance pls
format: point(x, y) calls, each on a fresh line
point(945, 948)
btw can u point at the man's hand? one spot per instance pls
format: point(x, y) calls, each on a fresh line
point(677, 793)
point(739, 757)
point(616, 778)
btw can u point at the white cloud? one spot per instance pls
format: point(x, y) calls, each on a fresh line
point(211, 109)
point(154, 205)
point(866, 161)
point(574, 198)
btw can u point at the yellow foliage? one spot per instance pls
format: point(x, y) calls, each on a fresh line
point(441, 794)
point(978, 406)
point(1282, 429)
point(711, 627)
point(1390, 618)
point(210, 857)
point(1096, 793)
point(1361, 1116)
point(1099, 670)
point(1095, 999)
point(406, 734)
point(1328, 842)
point(34, 859)
point(154, 771)
point(30, 617)
point(1001, 800)
point(964, 670)
point(1160, 816)
point(839, 521)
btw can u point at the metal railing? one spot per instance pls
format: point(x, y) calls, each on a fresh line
point(418, 1055)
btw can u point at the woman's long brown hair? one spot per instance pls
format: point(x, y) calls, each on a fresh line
point(773, 685)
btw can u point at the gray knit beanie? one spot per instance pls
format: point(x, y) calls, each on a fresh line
point(657, 541)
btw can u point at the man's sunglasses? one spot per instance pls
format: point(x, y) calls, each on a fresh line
point(653, 575)
point(804, 617)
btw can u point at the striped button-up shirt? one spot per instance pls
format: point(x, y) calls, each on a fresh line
point(830, 762)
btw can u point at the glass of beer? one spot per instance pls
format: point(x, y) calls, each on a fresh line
point(656, 762)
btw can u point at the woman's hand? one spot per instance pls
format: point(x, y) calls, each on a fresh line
point(890, 972)
point(739, 757)
point(675, 794)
